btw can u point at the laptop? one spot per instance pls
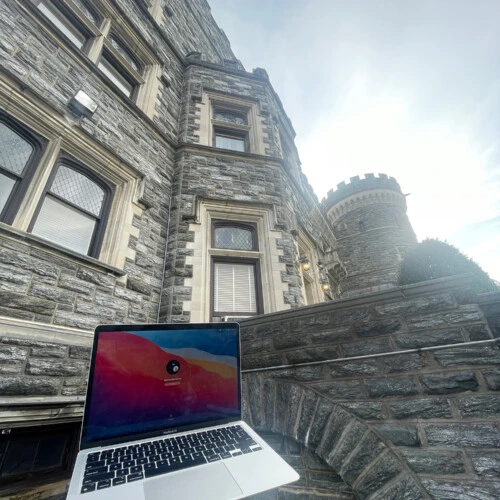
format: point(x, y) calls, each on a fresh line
point(162, 418)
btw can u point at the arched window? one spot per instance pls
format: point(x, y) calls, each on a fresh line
point(74, 209)
point(19, 151)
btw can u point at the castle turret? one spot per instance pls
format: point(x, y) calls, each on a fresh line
point(369, 220)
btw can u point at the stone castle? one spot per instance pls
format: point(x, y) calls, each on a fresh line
point(146, 176)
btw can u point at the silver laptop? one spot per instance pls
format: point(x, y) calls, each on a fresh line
point(163, 418)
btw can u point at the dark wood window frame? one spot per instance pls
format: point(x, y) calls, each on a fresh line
point(223, 131)
point(22, 181)
point(101, 220)
point(258, 285)
point(85, 28)
point(250, 226)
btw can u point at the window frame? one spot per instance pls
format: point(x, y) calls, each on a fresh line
point(258, 285)
point(97, 238)
point(222, 128)
point(251, 226)
point(20, 187)
point(231, 134)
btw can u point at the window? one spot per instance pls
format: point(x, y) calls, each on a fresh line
point(96, 34)
point(230, 129)
point(76, 200)
point(18, 153)
point(235, 279)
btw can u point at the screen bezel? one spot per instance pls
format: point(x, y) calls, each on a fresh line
point(164, 431)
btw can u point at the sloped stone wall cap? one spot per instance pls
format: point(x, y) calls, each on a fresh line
point(402, 292)
point(41, 401)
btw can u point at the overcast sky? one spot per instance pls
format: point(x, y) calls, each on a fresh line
point(406, 88)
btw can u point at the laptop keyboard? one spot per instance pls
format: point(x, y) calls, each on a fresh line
point(125, 464)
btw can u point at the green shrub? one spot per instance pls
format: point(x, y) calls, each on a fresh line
point(432, 259)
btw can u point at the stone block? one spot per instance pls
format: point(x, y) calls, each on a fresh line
point(351, 437)
point(28, 263)
point(55, 368)
point(384, 469)
point(449, 384)
point(288, 399)
point(428, 339)
point(9, 353)
point(464, 314)
point(428, 461)
point(368, 346)
point(399, 435)
point(353, 368)
point(421, 408)
point(319, 424)
point(332, 432)
point(256, 346)
point(416, 306)
point(465, 489)
point(69, 282)
point(365, 410)
point(51, 293)
point(471, 355)
point(302, 373)
point(96, 278)
point(28, 386)
point(346, 389)
point(90, 309)
point(330, 335)
point(374, 328)
point(82, 321)
point(306, 417)
point(59, 351)
point(80, 352)
point(492, 379)
point(405, 488)
point(478, 332)
point(129, 295)
point(289, 341)
point(480, 406)
point(308, 355)
point(403, 363)
point(27, 303)
point(261, 361)
point(473, 435)
point(368, 450)
point(486, 463)
point(390, 386)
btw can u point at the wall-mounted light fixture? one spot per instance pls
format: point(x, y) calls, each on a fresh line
point(325, 285)
point(82, 104)
point(305, 263)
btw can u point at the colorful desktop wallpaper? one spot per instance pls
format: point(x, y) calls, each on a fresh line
point(149, 380)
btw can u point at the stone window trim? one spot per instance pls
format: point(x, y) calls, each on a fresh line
point(268, 254)
point(101, 220)
point(55, 138)
point(144, 79)
point(312, 293)
point(209, 126)
point(19, 190)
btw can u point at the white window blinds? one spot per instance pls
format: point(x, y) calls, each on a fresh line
point(234, 288)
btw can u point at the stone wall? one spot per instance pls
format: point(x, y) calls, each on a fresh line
point(397, 391)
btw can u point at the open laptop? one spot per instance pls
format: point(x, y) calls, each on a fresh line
point(162, 418)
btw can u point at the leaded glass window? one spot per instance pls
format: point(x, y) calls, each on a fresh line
point(71, 210)
point(110, 69)
point(117, 45)
point(15, 153)
point(86, 11)
point(224, 115)
point(234, 238)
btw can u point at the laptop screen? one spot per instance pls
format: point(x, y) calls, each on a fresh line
point(147, 380)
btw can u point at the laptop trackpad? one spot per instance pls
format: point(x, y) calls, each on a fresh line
point(210, 482)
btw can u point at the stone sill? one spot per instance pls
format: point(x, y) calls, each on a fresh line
point(396, 293)
point(31, 330)
point(65, 253)
point(41, 401)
